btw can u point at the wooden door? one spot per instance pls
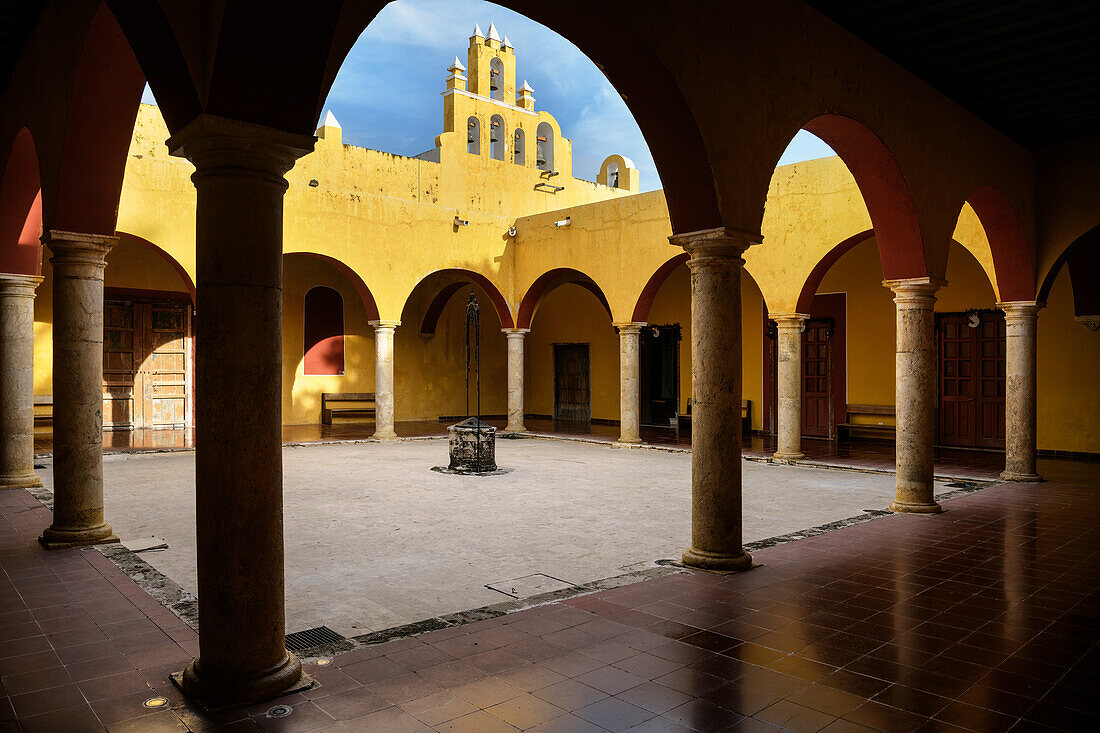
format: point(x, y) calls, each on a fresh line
point(146, 364)
point(972, 379)
point(817, 395)
point(572, 383)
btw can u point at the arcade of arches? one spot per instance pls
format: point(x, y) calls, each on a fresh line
point(220, 262)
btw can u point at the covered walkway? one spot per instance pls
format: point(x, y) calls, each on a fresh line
point(982, 618)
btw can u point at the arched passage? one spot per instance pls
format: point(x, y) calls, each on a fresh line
point(1012, 260)
point(435, 309)
point(547, 282)
point(884, 190)
point(126, 239)
point(649, 292)
point(809, 288)
point(365, 295)
point(21, 209)
point(1082, 260)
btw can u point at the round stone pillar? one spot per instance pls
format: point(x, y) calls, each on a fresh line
point(789, 328)
point(715, 265)
point(383, 379)
point(238, 409)
point(915, 394)
point(515, 379)
point(630, 336)
point(17, 381)
point(1020, 325)
point(78, 264)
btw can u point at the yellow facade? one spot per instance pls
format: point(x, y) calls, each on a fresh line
point(396, 222)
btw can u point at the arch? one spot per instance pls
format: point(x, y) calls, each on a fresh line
point(1082, 258)
point(180, 270)
point(21, 209)
point(473, 135)
point(369, 306)
point(496, 79)
point(649, 292)
point(98, 129)
point(1012, 260)
point(498, 145)
point(813, 281)
point(439, 302)
point(884, 190)
point(323, 331)
point(547, 282)
point(519, 148)
point(544, 147)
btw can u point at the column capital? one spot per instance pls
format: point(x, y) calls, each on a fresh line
point(226, 145)
point(630, 326)
point(384, 325)
point(13, 285)
point(1021, 308)
point(515, 332)
point(78, 248)
point(919, 291)
point(789, 320)
point(716, 242)
point(1092, 323)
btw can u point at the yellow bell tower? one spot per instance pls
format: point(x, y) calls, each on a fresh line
point(492, 65)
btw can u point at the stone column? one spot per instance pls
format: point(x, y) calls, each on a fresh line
point(383, 379)
point(78, 264)
point(789, 380)
point(915, 393)
point(630, 338)
point(715, 266)
point(238, 408)
point(1020, 325)
point(17, 381)
point(515, 379)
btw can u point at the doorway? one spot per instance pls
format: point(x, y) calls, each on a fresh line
point(146, 363)
point(817, 378)
point(572, 384)
point(971, 379)
point(660, 375)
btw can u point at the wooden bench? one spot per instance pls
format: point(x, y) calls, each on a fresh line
point(43, 409)
point(880, 429)
point(684, 421)
point(347, 404)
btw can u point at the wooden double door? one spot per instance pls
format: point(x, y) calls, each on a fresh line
point(572, 383)
point(972, 379)
point(146, 363)
point(817, 378)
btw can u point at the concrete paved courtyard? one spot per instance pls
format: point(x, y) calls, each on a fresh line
point(375, 539)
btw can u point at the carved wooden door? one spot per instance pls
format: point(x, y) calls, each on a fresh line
point(572, 383)
point(817, 380)
point(972, 379)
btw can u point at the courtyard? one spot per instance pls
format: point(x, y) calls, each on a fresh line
point(376, 539)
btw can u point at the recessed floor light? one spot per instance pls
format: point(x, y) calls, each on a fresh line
point(323, 662)
point(155, 702)
point(280, 711)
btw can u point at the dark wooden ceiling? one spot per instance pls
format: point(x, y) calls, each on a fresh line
point(1030, 68)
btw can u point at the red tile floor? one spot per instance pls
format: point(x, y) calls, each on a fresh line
point(982, 618)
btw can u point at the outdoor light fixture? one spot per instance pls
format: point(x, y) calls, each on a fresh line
point(564, 222)
point(511, 231)
point(461, 222)
point(313, 183)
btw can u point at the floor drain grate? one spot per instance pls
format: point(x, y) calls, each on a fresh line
point(310, 638)
point(961, 485)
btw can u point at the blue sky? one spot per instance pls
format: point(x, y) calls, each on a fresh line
point(386, 95)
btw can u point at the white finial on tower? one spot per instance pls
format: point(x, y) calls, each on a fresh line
point(456, 67)
point(526, 87)
point(330, 120)
point(493, 35)
point(330, 128)
point(477, 31)
point(506, 43)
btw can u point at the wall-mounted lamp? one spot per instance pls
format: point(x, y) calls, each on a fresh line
point(564, 222)
point(313, 183)
point(461, 222)
point(511, 231)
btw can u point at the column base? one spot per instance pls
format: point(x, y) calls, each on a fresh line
point(788, 456)
point(705, 560)
point(217, 695)
point(903, 507)
point(24, 481)
point(60, 539)
point(1023, 478)
point(628, 441)
point(515, 429)
point(390, 437)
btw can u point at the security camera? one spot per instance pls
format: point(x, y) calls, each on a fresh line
point(462, 222)
point(564, 222)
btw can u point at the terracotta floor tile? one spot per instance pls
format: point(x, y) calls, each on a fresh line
point(702, 715)
point(486, 692)
point(614, 714)
point(353, 703)
point(826, 699)
point(794, 717)
point(438, 708)
point(478, 722)
point(883, 717)
point(610, 680)
point(525, 711)
point(571, 694)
